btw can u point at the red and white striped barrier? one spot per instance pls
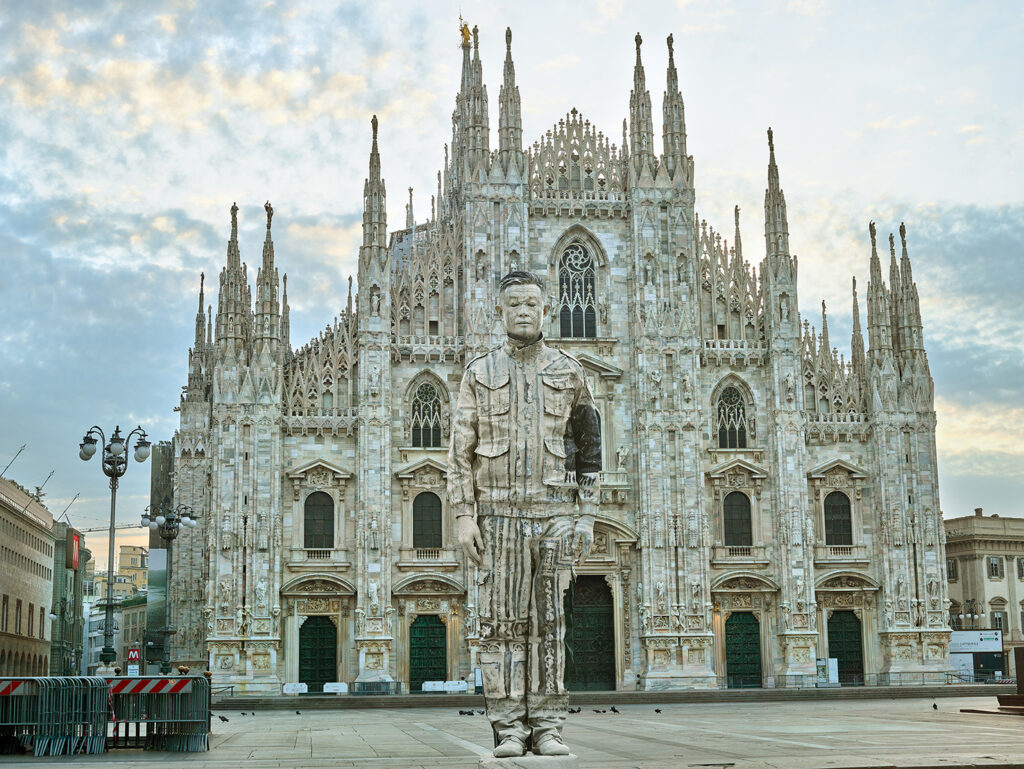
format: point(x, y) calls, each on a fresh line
point(15, 688)
point(150, 685)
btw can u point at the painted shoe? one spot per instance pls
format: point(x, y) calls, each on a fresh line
point(510, 747)
point(550, 745)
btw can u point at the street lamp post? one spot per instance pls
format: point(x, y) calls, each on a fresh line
point(61, 607)
point(115, 463)
point(168, 522)
point(972, 610)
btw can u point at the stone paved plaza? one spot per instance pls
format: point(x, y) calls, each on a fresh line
point(799, 735)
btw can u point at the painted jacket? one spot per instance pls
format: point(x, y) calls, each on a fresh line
point(526, 438)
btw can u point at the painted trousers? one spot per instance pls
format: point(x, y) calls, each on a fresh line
point(527, 567)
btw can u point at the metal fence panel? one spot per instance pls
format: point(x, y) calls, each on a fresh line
point(160, 713)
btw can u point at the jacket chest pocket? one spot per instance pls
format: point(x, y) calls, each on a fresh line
point(558, 395)
point(493, 398)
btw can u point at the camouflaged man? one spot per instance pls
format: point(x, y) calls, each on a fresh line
point(523, 473)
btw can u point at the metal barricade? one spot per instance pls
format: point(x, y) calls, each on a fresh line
point(19, 713)
point(160, 713)
point(54, 716)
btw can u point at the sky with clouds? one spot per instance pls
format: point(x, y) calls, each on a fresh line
point(128, 129)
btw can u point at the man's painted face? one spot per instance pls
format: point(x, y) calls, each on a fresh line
point(522, 310)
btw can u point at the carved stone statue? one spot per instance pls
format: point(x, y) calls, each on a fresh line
point(621, 455)
point(524, 526)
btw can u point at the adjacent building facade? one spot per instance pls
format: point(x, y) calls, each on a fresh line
point(67, 612)
point(765, 501)
point(26, 582)
point(985, 569)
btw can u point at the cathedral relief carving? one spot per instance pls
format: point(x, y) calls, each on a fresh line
point(425, 475)
point(319, 475)
point(743, 592)
point(837, 474)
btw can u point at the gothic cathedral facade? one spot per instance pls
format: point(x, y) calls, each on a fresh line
point(764, 502)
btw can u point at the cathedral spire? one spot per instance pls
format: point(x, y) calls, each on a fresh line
point(641, 131)
point(268, 311)
point(410, 220)
point(375, 223)
point(879, 318)
point(857, 338)
point(737, 243)
point(286, 342)
point(826, 345)
point(510, 120)
point(910, 303)
point(201, 314)
point(268, 243)
point(234, 258)
point(470, 134)
point(234, 299)
point(673, 120)
point(776, 224)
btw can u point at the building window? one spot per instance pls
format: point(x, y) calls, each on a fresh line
point(3, 615)
point(838, 526)
point(42, 624)
point(426, 521)
point(577, 305)
point(426, 417)
point(1020, 568)
point(998, 621)
point(318, 523)
point(736, 520)
point(731, 417)
point(951, 570)
point(995, 567)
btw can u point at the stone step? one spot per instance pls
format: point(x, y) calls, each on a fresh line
point(347, 702)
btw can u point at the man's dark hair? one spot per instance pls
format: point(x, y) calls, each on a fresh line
point(520, 278)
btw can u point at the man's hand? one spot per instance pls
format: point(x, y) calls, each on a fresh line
point(582, 537)
point(470, 539)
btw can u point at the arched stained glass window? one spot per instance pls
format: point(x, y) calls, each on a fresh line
point(731, 418)
point(736, 526)
point(838, 526)
point(426, 521)
point(577, 305)
point(318, 523)
point(426, 417)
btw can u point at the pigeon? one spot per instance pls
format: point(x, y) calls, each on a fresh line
point(222, 718)
point(244, 713)
point(604, 711)
point(577, 710)
point(298, 712)
point(657, 710)
point(934, 706)
point(479, 712)
point(596, 710)
point(614, 709)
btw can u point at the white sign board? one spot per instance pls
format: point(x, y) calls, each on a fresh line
point(453, 687)
point(336, 687)
point(432, 686)
point(968, 641)
point(833, 670)
point(295, 688)
point(133, 670)
point(962, 663)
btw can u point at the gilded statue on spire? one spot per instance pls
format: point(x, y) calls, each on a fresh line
point(467, 36)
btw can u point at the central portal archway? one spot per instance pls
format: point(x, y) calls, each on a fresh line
point(743, 650)
point(428, 657)
point(590, 636)
point(318, 652)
